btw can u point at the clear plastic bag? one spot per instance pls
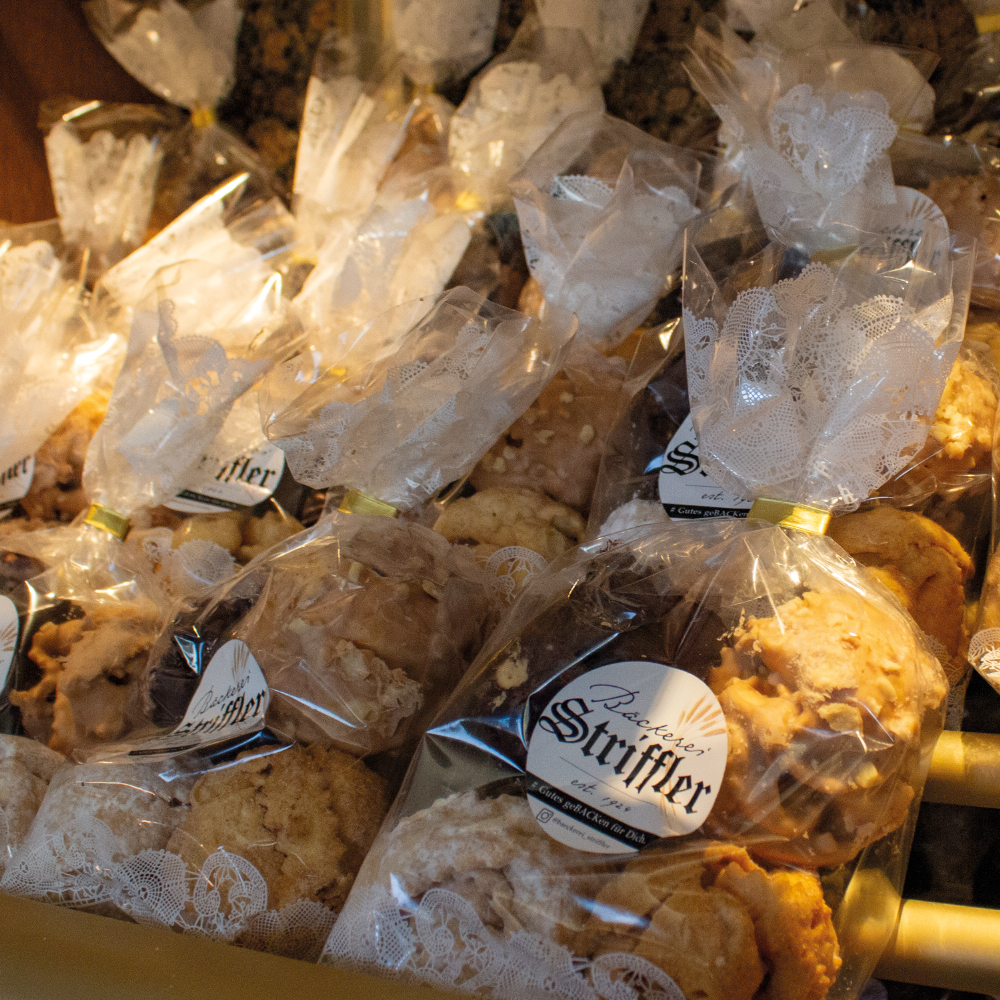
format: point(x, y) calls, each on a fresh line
point(963, 180)
point(478, 880)
point(516, 102)
point(103, 162)
point(811, 130)
point(187, 56)
point(353, 124)
point(56, 365)
point(255, 844)
point(438, 44)
point(602, 208)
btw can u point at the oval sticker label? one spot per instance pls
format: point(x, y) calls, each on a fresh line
point(8, 638)
point(627, 753)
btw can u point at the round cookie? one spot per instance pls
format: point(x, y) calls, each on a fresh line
point(921, 563)
point(304, 817)
point(495, 518)
point(823, 702)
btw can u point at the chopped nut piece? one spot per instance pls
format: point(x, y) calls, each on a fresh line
point(587, 433)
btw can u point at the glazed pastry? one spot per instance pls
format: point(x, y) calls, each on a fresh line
point(90, 690)
point(922, 564)
point(56, 492)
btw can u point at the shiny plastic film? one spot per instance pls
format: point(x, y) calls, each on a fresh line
point(602, 208)
point(517, 101)
point(256, 844)
point(416, 400)
point(104, 160)
point(658, 725)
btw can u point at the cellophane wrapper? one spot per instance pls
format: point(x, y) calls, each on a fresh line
point(407, 244)
point(353, 125)
point(602, 208)
point(466, 889)
point(438, 43)
point(255, 843)
point(963, 180)
point(414, 398)
point(186, 54)
point(53, 356)
point(810, 130)
point(103, 162)
point(517, 101)
point(610, 27)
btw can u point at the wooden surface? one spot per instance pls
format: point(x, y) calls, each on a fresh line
point(46, 50)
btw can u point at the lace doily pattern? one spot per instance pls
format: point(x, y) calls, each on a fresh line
point(441, 941)
point(226, 900)
point(804, 396)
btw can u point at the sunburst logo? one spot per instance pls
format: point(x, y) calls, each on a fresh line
point(8, 638)
point(702, 720)
point(241, 656)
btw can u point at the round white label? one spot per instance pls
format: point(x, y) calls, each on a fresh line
point(231, 482)
point(8, 637)
point(625, 754)
point(686, 491)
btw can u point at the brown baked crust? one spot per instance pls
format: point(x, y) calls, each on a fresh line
point(922, 564)
point(305, 817)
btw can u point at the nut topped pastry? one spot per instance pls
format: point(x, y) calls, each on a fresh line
point(824, 702)
point(922, 564)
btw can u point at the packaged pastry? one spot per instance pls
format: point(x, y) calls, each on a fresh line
point(257, 844)
point(88, 619)
point(186, 56)
point(57, 368)
point(400, 233)
point(26, 768)
point(103, 161)
point(963, 179)
point(679, 750)
point(354, 630)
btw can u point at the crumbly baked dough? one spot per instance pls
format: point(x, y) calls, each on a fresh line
point(824, 703)
point(56, 492)
point(305, 817)
point(922, 564)
point(555, 446)
point(26, 768)
point(719, 925)
point(91, 671)
point(494, 519)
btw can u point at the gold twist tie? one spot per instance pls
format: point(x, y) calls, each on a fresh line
point(202, 117)
point(356, 502)
point(108, 520)
point(791, 515)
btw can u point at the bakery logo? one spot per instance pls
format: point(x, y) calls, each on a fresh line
point(15, 481)
point(8, 638)
point(231, 482)
point(625, 754)
point(232, 696)
point(686, 491)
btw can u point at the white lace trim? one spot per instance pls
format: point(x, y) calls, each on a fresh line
point(800, 388)
point(984, 654)
point(442, 942)
point(226, 899)
point(185, 570)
